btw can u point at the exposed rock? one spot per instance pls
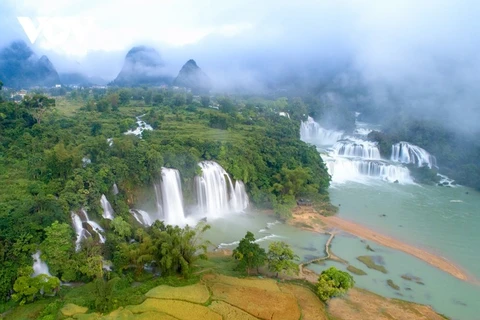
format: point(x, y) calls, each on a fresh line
point(142, 66)
point(192, 77)
point(21, 68)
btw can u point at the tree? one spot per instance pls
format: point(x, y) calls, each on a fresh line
point(189, 98)
point(157, 99)
point(28, 289)
point(297, 109)
point(332, 283)
point(281, 258)
point(179, 99)
point(135, 254)
point(148, 97)
point(177, 248)
point(226, 105)
point(103, 105)
point(121, 227)
point(124, 97)
point(114, 100)
point(249, 254)
point(57, 248)
point(205, 100)
point(38, 105)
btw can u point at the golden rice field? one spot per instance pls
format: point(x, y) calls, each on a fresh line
point(197, 293)
point(218, 297)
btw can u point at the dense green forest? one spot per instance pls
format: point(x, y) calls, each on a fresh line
point(55, 159)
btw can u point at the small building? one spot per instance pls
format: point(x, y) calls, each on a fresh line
point(19, 95)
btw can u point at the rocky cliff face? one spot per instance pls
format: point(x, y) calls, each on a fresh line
point(142, 66)
point(192, 77)
point(21, 68)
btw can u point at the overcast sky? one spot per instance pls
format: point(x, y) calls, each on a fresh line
point(377, 34)
point(421, 48)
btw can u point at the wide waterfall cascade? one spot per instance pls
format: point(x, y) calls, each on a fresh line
point(171, 197)
point(78, 220)
point(142, 217)
point(311, 131)
point(357, 148)
point(216, 194)
point(344, 169)
point(405, 152)
point(142, 126)
point(39, 266)
point(107, 208)
point(352, 158)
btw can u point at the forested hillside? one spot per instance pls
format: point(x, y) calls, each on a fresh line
point(58, 156)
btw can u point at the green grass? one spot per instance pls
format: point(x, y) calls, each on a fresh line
point(67, 107)
point(368, 261)
point(27, 311)
point(225, 265)
point(354, 270)
point(392, 285)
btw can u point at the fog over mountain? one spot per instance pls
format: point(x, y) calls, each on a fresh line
point(143, 66)
point(421, 56)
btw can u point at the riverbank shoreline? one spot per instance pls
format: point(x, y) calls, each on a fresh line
point(306, 216)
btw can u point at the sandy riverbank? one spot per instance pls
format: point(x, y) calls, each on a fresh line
point(320, 223)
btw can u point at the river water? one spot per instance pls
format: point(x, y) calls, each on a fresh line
point(380, 194)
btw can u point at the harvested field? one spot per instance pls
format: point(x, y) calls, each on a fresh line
point(361, 304)
point(260, 303)
point(265, 284)
point(311, 307)
point(230, 312)
point(233, 298)
point(196, 293)
point(178, 309)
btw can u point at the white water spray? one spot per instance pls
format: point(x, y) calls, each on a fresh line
point(142, 217)
point(216, 194)
point(405, 152)
point(357, 148)
point(107, 208)
point(353, 159)
point(78, 220)
point(311, 131)
point(142, 126)
point(39, 266)
point(172, 198)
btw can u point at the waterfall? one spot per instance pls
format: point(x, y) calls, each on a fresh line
point(39, 266)
point(78, 220)
point(311, 131)
point(357, 148)
point(171, 197)
point(405, 152)
point(115, 189)
point(343, 169)
point(216, 194)
point(239, 201)
point(142, 217)
point(362, 131)
point(79, 230)
point(142, 126)
point(107, 208)
point(168, 193)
